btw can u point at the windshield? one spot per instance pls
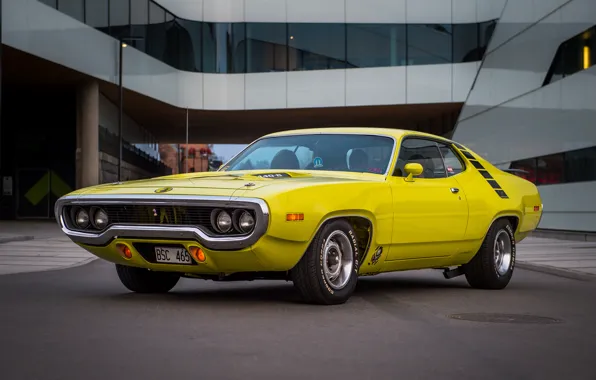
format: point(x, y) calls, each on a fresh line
point(335, 152)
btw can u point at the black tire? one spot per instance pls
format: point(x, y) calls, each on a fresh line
point(309, 276)
point(482, 271)
point(141, 280)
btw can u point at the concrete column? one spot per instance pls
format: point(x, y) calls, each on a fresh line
point(88, 134)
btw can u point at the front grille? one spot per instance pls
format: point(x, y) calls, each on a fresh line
point(154, 214)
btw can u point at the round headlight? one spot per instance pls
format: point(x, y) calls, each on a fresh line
point(223, 221)
point(82, 219)
point(100, 219)
point(246, 222)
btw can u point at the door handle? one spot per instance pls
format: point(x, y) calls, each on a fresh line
point(454, 190)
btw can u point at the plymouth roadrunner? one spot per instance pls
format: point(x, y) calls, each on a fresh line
point(317, 207)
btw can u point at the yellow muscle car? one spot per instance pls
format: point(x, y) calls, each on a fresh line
point(317, 207)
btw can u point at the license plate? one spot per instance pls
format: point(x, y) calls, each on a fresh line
point(172, 255)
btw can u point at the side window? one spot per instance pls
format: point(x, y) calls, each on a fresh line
point(424, 152)
point(453, 163)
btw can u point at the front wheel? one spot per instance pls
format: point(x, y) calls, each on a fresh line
point(328, 271)
point(141, 280)
point(492, 267)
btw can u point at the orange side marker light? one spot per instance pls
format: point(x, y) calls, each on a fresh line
point(124, 251)
point(536, 208)
point(294, 217)
point(198, 254)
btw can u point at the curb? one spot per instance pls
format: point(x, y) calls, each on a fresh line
point(10, 239)
point(559, 272)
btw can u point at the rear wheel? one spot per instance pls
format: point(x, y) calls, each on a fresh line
point(328, 271)
point(492, 267)
point(141, 280)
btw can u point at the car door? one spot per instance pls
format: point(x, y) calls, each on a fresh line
point(430, 212)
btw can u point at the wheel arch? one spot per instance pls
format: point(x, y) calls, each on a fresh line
point(513, 217)
point(363, 223)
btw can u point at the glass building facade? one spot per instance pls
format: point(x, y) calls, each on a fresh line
point(237, 48)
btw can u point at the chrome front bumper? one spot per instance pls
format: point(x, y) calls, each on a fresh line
point(166, 231)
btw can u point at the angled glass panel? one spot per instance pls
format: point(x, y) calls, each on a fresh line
point(376, 45)
point(429, 44)
point(266, 48)
point(316, 46)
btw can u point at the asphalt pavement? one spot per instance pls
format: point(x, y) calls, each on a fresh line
point(81, 323)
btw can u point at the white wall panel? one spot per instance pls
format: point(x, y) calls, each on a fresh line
point(376, 11)
point(190, 90)
point(428, 11)
point(489, 9)
point(265, 11)
point(35, 28)
point(463, 11)
point(223, 10)
point(316, 11)
point(569, 206)
point(223, 92)
point(384, 85)
point(326, 88)
point(187, 9)
point(463, 77)
point(429, 84)
point(266, 90)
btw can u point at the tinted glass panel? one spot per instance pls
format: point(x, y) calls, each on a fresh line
point(139, 12)
point(580, 165)
point(73, 8)
point(119, 13)
point(576, 54)
point(266, 48)
point(96, 13)
point(317, 46)
point(429, 44)
point(51, 3)
point(424, 152)
point(189, 40)
point(157, 15)
point(486, 30)
point(223, 48)
point(551, 169)
point(374, 45)
point(317, 152)
point(465, 43)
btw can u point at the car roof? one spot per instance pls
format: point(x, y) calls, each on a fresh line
point(396, 133)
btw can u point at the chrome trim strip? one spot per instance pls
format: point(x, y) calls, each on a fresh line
point(166, 231)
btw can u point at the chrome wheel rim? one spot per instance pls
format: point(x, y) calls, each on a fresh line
point(338, 259)
point(503, 252)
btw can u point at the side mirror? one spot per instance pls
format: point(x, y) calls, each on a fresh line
point(413, 169)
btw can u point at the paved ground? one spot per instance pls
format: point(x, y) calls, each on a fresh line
point(80, 323)
point(37, 246)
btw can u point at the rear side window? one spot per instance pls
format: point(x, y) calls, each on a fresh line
point(453, 163)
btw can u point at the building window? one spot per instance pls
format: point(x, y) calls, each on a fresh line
point(266, 48)
point(278, 47)
point(576, 54)
point(466, 46)
point(223, 47)
point(97, 14)
point(73, 8)
point(569, 167)
point(376, 45)
point(316, 46)
point(139, 12)
point(429, 44)
point(51, 3)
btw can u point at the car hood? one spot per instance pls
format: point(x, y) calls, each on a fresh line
point(227, 183)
